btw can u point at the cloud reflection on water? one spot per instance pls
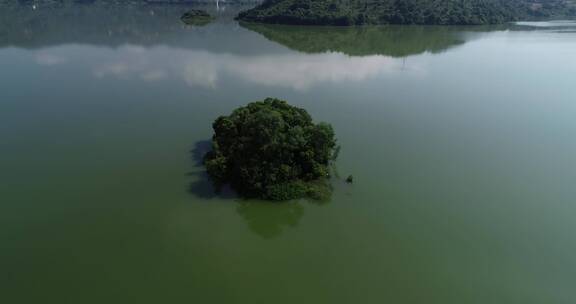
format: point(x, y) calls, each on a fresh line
point(205, 69)
point(48, 59)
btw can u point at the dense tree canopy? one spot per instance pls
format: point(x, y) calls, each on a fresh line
point(271, 150)
point(441, 12)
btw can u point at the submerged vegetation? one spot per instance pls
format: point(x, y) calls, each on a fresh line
point(196, 17)
point(439, 12)
point(272, 150)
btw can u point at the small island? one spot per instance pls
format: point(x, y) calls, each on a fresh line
point(273, 151)
point(196, 17)
point(424, 12)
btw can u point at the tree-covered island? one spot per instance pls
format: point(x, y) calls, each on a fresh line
point(271, 150)
point(196, 17)
point(433, 12)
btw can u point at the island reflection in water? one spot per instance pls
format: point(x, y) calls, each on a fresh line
point(392, 41)
point(153, 45)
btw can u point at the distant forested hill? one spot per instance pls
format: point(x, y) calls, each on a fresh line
point(123, 2)
point(113, 25)
point(442, 12)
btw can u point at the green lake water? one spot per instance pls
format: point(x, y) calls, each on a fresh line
point(461, 142)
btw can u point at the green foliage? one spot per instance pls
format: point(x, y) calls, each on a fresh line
point(271, 150)
point(196, 17)
point(439, 12)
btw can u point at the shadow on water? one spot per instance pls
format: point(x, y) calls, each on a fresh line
point(202, 187)
point(199, 150)
point(265, 219)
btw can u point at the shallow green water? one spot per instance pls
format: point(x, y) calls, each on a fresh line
point(460, 140)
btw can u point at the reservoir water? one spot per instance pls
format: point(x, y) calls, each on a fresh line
point(461, 141)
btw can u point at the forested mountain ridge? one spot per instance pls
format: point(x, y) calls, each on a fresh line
point(122, 2)
point(441, 12)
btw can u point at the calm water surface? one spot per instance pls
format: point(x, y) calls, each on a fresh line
point(460, 140)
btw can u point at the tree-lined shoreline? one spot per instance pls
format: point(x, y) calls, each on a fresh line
point(423, 12)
